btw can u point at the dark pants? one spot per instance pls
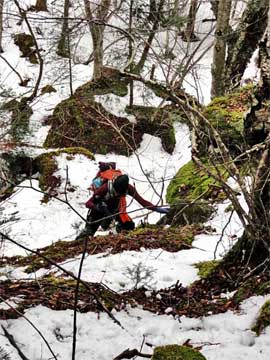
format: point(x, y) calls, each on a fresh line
point(96, 218)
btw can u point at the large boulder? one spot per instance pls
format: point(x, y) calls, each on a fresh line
point(82, 121)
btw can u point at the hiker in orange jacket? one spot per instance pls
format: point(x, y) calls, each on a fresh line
point(108, 202)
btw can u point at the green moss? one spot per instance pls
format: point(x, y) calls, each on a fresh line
point(227, 115)
point(176, 352)
point(263, 319)
point(191, 183)
point(206, 267)
point(172, 235)
point(21, 113)
point(255, 286)
point(110, 82)
point(156, 122)
point(26, 44)
point(263, 288)
point(47, 166)
point(80, 121)
point(47, 89)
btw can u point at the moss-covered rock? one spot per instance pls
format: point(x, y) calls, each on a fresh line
point(192, 182)
point(227, 114)
point(110, 82)
point(81, 121)
point(157, 122)
point(26, 44)
point(47, 165)
point(263, 319)
point(187, 212)
point(176, 352)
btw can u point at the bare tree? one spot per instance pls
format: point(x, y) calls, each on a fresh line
point(189, 34)
point(97, 18)
point(63, 43)
point(1, 24)
point(219, 56)
point(244, 40)
point(155, 11)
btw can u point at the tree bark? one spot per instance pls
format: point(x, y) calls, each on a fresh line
point(244, 41)
point(1, 24)
point(41, 5)
point(63, 43)
point(156, 17)
point(218, 66)
point(254, 246)
point(97, 22)
point(214, 6)
point(189, 34)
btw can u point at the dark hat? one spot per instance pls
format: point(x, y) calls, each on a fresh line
point(120, 184)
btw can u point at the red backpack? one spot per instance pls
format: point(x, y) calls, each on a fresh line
point(107, 173)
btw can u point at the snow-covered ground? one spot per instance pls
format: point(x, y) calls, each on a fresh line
point(36, 224)
point(223, 336)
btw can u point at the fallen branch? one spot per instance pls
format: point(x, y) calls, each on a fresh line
point(129, 354)
point(13, 343)
point(30, 322)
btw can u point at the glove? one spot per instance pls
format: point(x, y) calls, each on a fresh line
point(161, 210)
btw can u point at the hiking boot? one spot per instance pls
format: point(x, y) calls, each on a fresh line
point(83, 234)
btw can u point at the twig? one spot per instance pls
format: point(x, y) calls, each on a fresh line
point(76, 301)
point(36, 87)
point(13, 343)
point(129, 354)
point(4, 236)
point(222, 234)
point(13, 69)
point(30, 322)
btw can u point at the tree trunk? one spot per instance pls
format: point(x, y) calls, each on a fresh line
point(63, 43)
point(41, 5)
point(97, 28)
point(214, 7)
point(189, 34)
point(244, 41)
point(156, 17)
point(218, 65)
point(254, 246)
point(130, 52)
point(1, 24)
point(97, 32)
